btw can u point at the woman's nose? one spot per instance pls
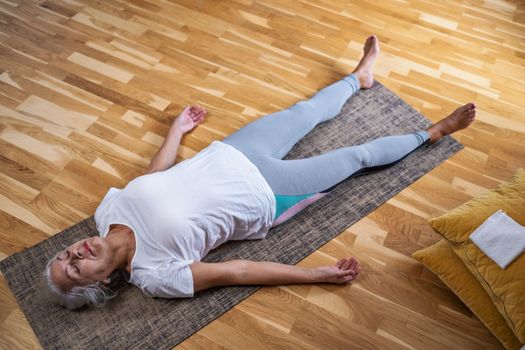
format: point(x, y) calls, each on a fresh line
point(78, 254)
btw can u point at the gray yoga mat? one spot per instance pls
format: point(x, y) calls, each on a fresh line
point(133, 321)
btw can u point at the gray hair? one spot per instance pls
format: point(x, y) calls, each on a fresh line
point(96, 294)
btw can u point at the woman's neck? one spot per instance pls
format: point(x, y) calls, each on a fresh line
point(122, 242)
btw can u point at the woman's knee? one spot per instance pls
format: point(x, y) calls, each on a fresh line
point(306, 109)
point(360, 156)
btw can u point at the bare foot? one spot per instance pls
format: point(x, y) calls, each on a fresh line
point(457, 120)
point(364, 68)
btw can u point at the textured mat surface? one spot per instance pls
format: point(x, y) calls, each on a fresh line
point(133, 321)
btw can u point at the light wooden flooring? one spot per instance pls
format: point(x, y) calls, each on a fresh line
point(88, 90)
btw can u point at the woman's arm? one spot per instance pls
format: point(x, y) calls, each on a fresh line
point(166, 156)
point(245, 272)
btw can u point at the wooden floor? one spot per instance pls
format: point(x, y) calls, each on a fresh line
point(88, 90)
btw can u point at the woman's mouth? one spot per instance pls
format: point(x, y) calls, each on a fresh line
point(88, 249)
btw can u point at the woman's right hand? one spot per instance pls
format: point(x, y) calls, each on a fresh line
point(344, 271)
point(189, 118)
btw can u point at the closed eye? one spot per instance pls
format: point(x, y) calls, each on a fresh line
point(62, 258)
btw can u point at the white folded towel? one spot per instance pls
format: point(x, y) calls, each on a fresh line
point(501, 238)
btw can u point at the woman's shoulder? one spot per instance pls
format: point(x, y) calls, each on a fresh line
point(101, 215)
point(110, 194)
point(173, 279)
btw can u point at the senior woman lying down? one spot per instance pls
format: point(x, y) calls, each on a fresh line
point(163, 223)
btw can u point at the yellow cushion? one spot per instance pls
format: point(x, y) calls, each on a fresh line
point(505, 287)
point(457, 224)
point(442, 261)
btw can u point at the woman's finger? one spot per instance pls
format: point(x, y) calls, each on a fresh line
point(197, 109)
point(347, 264)
point(340, 262)
point(200, 115)
point(185, 110)
point(358, 267)
point(353, 265)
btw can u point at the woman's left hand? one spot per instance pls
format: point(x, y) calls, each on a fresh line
point(189, 118)
point(344, 271)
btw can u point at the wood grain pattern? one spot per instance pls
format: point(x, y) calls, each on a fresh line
point(88, 90)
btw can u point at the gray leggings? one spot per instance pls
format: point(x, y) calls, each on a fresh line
point(267, 140)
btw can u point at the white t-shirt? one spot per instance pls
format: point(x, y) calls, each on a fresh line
point(178, 215)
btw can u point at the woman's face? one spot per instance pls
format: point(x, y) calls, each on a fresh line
point(84, 262)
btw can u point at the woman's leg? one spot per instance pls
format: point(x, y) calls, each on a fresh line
point(315, 174)
point(275, 134)
point(298, 183)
